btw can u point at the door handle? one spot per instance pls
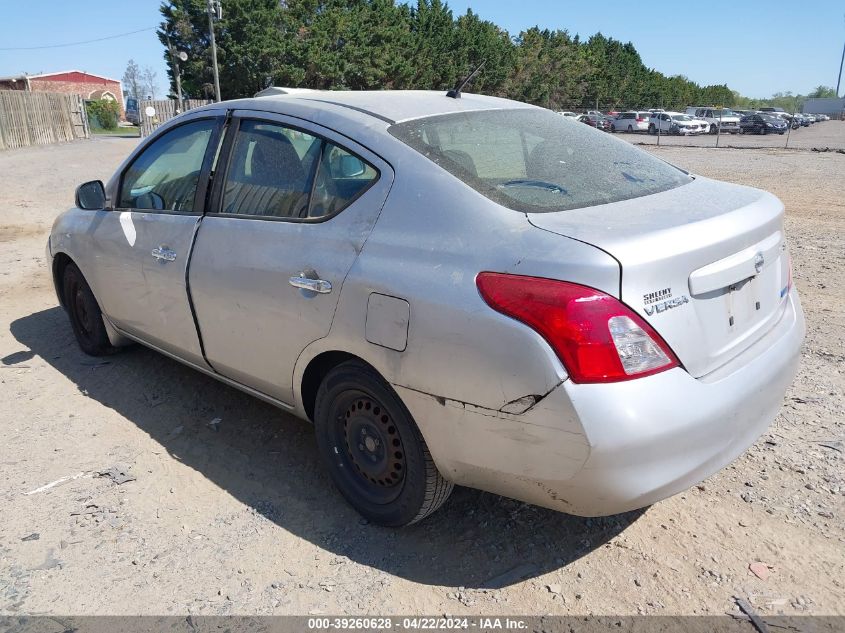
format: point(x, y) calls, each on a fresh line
point(320, 286)
point(162, 253)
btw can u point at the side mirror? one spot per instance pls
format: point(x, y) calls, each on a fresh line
point(91, 196)
point(347, 166)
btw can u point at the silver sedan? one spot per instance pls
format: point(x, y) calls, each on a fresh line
point(466, 291)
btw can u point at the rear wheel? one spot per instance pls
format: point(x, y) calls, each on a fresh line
point(84, 313)
point(374, 451)
point(713, 129)
point(651, 128)
point(630, 129)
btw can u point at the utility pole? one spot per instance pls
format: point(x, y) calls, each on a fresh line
point(174, 58)
point(214, 9)
point(839, 76)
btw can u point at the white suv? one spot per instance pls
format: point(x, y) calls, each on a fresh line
point(631, 121)
point(719, 119)
point(676, 123)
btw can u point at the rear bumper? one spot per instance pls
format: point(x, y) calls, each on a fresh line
point(595, 450)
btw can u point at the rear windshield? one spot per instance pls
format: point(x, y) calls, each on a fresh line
point(534, 161)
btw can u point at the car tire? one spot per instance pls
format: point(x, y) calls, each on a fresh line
point(612, 127)
point(763, 130)
point(630, 129)
point(713, 129)
point(651, 129)
point(386, 471)
point(86, 319)
point(742, 130)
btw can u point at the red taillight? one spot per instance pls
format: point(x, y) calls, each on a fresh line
point(639, 120)
point(596, 337)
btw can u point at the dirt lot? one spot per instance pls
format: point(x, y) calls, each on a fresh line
point(238, 517)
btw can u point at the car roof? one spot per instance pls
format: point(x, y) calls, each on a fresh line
point(390, 106)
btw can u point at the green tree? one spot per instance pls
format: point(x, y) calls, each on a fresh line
point(550, 70)
point(132, 83)
point(250, 49)
point(375, 44)
point(823, 92)
point(477, 41)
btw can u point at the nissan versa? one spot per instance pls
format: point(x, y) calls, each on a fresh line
point(463, 290)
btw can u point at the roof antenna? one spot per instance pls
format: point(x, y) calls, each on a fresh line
point(455, 93)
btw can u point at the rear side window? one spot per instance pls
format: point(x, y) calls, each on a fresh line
point(281, 172)
point(164, 176)
point(532, 160)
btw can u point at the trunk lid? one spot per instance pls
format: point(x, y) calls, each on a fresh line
point(704, 264)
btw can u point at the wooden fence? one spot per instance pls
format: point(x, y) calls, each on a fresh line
point(164, 110)
point(40, 118)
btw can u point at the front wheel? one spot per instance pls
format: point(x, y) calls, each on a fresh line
point(84, 312)
point(651, 128)
point(374, 451)
point(630, 129)
point(713, 129)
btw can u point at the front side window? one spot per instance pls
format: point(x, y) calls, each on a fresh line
point(164, 176)
point(532, 161)
point(280, 172)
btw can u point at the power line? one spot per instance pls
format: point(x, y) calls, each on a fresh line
point(99, 39)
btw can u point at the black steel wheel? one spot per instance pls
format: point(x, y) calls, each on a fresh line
point(374, 451)
point(84, 313)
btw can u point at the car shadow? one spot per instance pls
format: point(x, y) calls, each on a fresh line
point(268, 460)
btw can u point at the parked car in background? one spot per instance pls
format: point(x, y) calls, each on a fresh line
point(566, 113)
point(676, 123)
point(133, 115)
point(719, 120)
point(771, 110)
point(630, 121)
point(598, 121)
point(762, 123)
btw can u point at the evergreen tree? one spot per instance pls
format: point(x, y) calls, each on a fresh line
point(378, 44)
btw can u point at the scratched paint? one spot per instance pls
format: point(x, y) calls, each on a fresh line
point(128, 227)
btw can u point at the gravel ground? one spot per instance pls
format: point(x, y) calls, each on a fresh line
point(238, 517)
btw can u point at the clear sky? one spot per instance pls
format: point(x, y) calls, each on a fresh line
point(758, 47)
